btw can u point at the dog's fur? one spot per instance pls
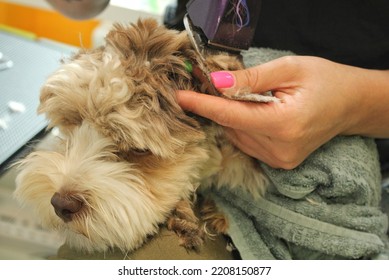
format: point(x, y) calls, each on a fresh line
point(130, 158)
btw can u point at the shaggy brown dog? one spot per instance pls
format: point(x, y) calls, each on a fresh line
point(130, 159)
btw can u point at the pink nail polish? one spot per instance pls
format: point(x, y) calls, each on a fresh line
point(222, 79)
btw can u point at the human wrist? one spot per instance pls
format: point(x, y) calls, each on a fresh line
point(369, 99)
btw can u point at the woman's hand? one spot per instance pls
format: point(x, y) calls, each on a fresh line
point(320, 99)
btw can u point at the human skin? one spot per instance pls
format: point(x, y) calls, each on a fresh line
point(320, 100)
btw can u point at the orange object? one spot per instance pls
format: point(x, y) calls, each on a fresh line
point(48, 24)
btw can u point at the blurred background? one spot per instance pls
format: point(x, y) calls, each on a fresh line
point(38, 18)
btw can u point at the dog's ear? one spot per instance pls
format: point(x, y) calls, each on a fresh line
point(146, 48)
point(146, 39)
point(154, 62)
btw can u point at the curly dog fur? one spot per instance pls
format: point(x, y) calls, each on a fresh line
point(129, 158)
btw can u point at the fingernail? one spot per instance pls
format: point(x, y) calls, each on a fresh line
point(222, 79)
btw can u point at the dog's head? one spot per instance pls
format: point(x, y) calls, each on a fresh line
point(129, 152)
point(84, 190)
point(126, 89)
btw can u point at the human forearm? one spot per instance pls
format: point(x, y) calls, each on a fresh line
point(370, 116)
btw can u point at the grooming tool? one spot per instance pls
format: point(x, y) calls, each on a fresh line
point(228, 25)
point(222, 25)
point(199, 70)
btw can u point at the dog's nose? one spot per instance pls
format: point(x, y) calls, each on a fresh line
point(65, 206)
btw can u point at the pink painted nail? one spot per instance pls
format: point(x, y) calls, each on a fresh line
point(222, 79)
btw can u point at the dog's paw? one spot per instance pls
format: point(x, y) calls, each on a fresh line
point(215, 221)
point(191, 235)
point(186, 225)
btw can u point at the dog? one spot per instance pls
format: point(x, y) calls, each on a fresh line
point(129, 158)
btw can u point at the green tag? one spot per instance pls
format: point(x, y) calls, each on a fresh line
point(188, 66)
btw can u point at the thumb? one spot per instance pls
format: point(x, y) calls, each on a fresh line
point(226, 112)
point(272, 75)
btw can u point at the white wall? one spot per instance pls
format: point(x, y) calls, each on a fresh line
point(115, 11)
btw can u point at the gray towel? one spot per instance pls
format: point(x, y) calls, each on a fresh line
point(327, 208)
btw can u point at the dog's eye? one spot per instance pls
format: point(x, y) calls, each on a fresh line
point(141, 152)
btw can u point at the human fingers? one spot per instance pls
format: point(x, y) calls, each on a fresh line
point(226, 112)
point(256, 148)
point(267, 149)
point(276, 74)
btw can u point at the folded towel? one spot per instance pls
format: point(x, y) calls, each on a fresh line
point(327, 208)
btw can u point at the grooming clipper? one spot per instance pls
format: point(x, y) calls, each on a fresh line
point(227, 25)
point(223, 25)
